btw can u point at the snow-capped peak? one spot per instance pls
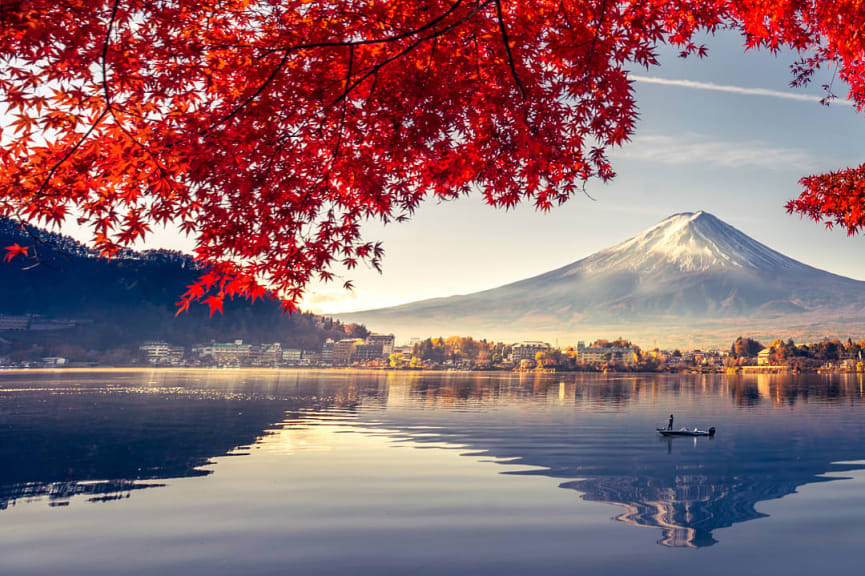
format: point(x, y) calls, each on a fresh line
point(690, 241)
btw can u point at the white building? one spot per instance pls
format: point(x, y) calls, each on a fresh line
point(292, 355)
point(601, 355)
point(162, 353)
point(527, 350)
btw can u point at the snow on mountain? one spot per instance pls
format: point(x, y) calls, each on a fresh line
point(689, 271)
point(690, 242)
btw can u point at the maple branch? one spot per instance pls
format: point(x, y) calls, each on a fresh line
point(96, 122)
point(591, 52)
point(104, 64)
point(411, 47)
point(387, 39)
point(564, 12)
point(344, 105)
point(477, 55)
point(109, 107)
point(70, 153)
point(252, 96)
point(325, 175)
point(374, 70)
point(342, 43)
point(429, 62)
point(828, 88)
point(504, 32)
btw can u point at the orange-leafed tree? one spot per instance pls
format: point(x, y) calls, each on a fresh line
point(271, 130)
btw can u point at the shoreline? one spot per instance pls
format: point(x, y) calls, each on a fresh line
point(335, 370)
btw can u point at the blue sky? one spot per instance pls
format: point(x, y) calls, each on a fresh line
point(730, 152)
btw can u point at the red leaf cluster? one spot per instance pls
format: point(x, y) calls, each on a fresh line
point(13, 251)
point(271, 130)
point(836, 198)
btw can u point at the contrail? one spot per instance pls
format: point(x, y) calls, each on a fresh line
point(733, 89)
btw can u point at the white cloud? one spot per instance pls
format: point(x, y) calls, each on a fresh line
point(696, 149)
point(733, 89)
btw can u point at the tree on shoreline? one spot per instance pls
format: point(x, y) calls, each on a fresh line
point(271, 131)
point(745, 348)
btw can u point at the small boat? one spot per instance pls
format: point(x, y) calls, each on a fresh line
point(686, 432)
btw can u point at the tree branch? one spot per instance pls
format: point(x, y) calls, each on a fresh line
point(504, 32)
point(103, 63)
point(591, 52)
point(70, 152)
point(344, 104)
point(342, 43)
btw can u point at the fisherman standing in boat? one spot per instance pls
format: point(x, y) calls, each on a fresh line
point(670, 423)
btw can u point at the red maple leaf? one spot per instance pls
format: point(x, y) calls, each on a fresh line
point(215, 303)
point(13, 251)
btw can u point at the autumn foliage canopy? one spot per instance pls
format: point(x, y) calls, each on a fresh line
point(271, 130)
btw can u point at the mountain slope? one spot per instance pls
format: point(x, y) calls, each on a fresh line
point(688, 274)
point(130, 299)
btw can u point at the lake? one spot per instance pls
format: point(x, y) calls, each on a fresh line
point(336, 472)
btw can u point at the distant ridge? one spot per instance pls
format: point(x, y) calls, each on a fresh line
point(127, 300)
point(690, 279)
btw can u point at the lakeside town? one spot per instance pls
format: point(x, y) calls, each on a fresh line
point(380, 351)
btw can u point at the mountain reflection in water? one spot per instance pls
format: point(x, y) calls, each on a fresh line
point(776, 433)
point(687, 507)
point(106, 435)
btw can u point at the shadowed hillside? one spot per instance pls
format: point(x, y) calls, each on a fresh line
point(130, 299)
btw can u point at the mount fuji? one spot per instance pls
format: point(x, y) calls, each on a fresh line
point(690, 279)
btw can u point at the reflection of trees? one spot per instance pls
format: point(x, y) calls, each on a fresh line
point(687, 488)
point(618, 391)
point(615, 394)
point(59, 493)
point(745, 393)
point(106, 435)
point(449, 388)
point(789, 390)
point(105, 440)
point(58, 442)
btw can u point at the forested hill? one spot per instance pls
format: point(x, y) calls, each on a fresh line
point(131, 299)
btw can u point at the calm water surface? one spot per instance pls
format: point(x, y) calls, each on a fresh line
point(235, 472)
